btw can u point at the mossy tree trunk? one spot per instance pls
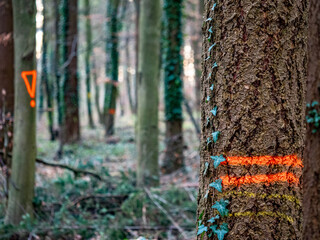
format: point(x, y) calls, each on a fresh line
point(69, 41)
point(253, 119)
point(6, 55)
point(311, 177)
point(172, 44)
point(112, 66)
point(21, 190)
point(148, 82)
point(87, 61)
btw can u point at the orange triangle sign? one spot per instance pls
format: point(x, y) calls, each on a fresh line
point(30, 88)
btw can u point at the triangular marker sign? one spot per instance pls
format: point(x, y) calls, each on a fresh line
point(31, 89)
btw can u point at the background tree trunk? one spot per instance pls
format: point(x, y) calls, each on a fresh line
point(311, 178)
point(256, 109)
point(148, 85)
point(6, 54)
point(69, 20)
point(112, 69)
point(87, 61)
point(172, 44)
point(22, 179)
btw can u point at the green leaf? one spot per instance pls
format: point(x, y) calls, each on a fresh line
point(217, 160)
point(213, 219)
point(210, 48)
point(314, 103)
point(214, 65)
point(215, 136)
point(214, 5)
point(220, 232)
point(208, 141)
point(208, 19)
point(214, 111)
point(217, 185)
point(202, 229)
point(221, 206)
point(206, 165)
point(211, 88)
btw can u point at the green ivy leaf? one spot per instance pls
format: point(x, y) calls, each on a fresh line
point(220, 232)
point(221, 206)
point(213, 219)
point(211, 88)
point(208, 141)
point(210, 48)
point(214, 111)
point(202, 229)
point(214, 65)
point(208, 19)
point(214, 5)
point(217, 160)
point(217, 185)
point(215, 136)
point(206, 165)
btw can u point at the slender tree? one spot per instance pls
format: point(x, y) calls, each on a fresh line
point(149, 45)
point(6, 54)
point(253, 118)
point(87, 61)
point(311, 183)
point(22, 179)
point(112, 66)
point(172, 44)
point(69, 88)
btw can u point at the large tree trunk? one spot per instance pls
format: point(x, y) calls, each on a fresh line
point(69, 20)
point(253, 123)
point(6, 54)
point(22, 179)
point(87, 61)
point(112, 69)
point(149, 45)
point(311, 178)
point(172, 44)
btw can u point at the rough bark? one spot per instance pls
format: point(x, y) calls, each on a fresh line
point(149, 45)
point(6, 54)
point(255, 77)
point(87, 61)
point(22, 180)
point(69, 19)
point(112, 69)
point(311, 177)
point(172, 44)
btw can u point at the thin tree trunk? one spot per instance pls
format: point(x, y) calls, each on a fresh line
point(149, 45)
point(172, 44)
point(87, 61)
point(112, 70)
point(97, 90)
point(137, 31)
point(6, 54)
point(22, 179)
point(253, 121)
point(311, 178)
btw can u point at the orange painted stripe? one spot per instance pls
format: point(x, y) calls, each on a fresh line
point(289, 160)
point(272, 178)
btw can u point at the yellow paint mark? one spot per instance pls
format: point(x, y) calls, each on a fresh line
point(263, 214)
point(89, 95)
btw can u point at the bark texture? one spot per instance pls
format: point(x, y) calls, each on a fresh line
point(21, 189)
point(311, 177)
point(148, 85)
point(253, 104)
point(6, 54)
point(172, 44)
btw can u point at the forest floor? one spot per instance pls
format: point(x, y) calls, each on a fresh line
point(82, 206)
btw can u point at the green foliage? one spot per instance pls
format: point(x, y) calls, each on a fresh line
point(172, 44)
point(221, 206)
point(217, 160)
point(217, 185)
point(313, 117)
point(215, 136)
point(220, 232)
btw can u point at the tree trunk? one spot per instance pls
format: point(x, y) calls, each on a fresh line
point(172, 44)
point(22, 180)
point(69, 20)
point(6, 54)
point(97, 90)
point(137, 31)
point(148, 85)
point(87, 61)
point(112, 70)
point(311, 178)
point(253, 124)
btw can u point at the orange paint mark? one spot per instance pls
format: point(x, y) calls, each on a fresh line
point(272, 178)
point(31, 88)
point(112, 111)
point(289, 160)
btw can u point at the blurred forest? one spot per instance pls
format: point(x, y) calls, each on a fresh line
point(159, 119)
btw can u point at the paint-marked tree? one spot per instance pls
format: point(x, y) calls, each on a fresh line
point(22, 179)
point(70, 131)
point(253, 119)
point(311, 183)
point(88, 34)
point(149, 45)
point(172, 44)
point(112, 66)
